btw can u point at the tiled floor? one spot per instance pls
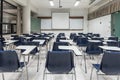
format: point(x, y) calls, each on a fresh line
point(34, 75)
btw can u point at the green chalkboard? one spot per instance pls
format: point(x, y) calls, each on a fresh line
point(35, 25)
point(115, 22)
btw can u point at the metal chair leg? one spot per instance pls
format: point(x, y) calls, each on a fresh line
point(44, 74)
point(75, 73)
point(38, 62)
point(91, 73)
point(118, 77)
point(26, 68)
point(85, 64)
point(3, 76)
point(97, 75)
point(28, 58)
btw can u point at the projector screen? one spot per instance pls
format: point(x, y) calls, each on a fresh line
point(60, 20)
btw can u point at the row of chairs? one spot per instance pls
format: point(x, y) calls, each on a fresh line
point(108, 65)
point(84, 35)
point(9, 61)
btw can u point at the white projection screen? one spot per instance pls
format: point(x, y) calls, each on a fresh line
point(60, 20)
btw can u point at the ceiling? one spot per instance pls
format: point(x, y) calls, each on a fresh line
point(65, 3)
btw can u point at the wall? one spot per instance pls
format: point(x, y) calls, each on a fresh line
point(73, 12)
point(101, 25)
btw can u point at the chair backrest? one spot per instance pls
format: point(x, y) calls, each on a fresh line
point(30, 43)
point(115, 43)
point(14, 35)
point(72, 35)
point(75, 38)
point(57, 44)
point(9, 61)
point(20, 40)
point(110, 63)
point(2, 39)
point(89, 35)
point(113, 38)
point(81, 34)
point(82, 41)
point(93, 48)
point(96, 35)
point(98, 38)
point(1, 46)
point(60, 61)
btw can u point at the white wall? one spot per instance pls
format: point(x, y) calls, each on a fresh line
point(101, 25)
point(81, 12)
point(73, 12)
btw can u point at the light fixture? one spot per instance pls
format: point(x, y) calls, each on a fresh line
point(51, 3)
point(77, 3)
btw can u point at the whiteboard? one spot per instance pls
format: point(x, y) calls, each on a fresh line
point(60, 20)
point(46, 23)
point(76, 23)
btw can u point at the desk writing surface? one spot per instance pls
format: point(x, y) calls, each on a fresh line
point(40, 41)
point(94, 41)
point(27, 37)
point(110, 48)
point(70, 41)
point(74, 48)
point(10, 41)
point(109, 41)
point(27, 48)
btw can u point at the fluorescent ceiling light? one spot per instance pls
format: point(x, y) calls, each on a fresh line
point(51, 3)
point(77, 3)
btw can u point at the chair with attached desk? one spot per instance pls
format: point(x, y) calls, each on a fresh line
point(82, 42)
point(1, 46)
point(9, 62)
point(81, 34)
point(109, 65)
point(2, 40)
point(14, 36)
point(46, 42)
point(89, 35)
point(57, 44)
point(41, 38)
point(113, 38)
point(75, 38)
point(72, 35)
point(93, 50)
point(58, 39)
point(96, 35)
point(34, 52)
point(59, 62)
point(112, 43)
point(97, 38)
point(20, 40)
